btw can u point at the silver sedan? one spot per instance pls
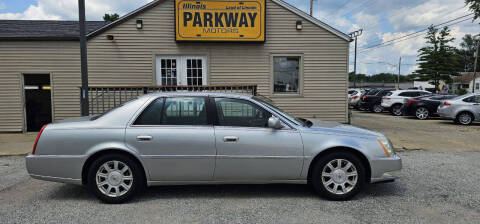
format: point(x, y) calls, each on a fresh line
point(463, 109)
point(208, 138)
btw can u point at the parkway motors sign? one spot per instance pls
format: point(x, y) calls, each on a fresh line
point(220, 20)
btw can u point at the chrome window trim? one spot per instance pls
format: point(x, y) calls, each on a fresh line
point(282, 118)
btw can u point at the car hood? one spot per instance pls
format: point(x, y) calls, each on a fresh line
point(338, 128)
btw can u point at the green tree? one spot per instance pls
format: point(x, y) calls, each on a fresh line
point(474, 6)
point(110, 17)
point(467, 53)
point(437, 61)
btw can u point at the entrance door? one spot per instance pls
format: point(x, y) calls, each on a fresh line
point(38, 101)
point(181, 70)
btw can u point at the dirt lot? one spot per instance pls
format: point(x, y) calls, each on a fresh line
point(432, 135)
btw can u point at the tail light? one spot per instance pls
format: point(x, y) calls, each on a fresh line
point(354, 97)
point(447, 103)
point(411, 101)
point(386, 98)
point(364, 98)
point(38, 137)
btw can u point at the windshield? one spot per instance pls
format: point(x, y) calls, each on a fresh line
point(278, 110)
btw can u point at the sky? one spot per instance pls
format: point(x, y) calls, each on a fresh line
point(381, 21)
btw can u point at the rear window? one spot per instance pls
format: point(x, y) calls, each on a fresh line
point(384, 92)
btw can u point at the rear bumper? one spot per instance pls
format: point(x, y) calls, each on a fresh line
point(65, 169)
point(385, 169)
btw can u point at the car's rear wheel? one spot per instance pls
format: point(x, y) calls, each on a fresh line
point(465, 118)
point(377, 108)
point(421, 113)
point(338, 176)
point(115, 178)
point(397, 110)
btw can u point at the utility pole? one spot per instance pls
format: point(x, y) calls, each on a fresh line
point(399, 69)
point(83, 58)
point(355, 34)
point(311, 7)
point(475, 66)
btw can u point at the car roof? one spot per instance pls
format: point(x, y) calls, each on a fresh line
point(199, 94)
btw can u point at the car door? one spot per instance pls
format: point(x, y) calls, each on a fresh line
point(248, 150)
point(175, 138)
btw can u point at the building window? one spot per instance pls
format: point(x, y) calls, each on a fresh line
point(287, 74)
point(477, 85)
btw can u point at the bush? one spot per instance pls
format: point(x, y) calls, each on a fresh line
point(462, 91)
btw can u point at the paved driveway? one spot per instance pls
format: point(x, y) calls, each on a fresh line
point(434, 188)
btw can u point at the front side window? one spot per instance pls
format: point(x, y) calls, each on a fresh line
point(240, 113)
point(286, 74)
point(175, 111)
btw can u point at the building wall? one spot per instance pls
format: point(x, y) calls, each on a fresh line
point(130, 60)
point(60, 59)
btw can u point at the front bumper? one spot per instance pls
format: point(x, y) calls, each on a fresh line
point(385, 169)
point(65, 169)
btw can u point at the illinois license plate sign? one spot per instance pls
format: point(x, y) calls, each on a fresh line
point(220, 20)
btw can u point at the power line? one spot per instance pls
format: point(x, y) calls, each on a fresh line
point(410, 35)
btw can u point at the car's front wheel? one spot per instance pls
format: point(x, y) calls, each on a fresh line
point(115, 178)
point(397, 110)
point(377, 108)
point(338, 176)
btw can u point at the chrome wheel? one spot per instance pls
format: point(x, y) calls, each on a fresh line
point(421, 113)
point(114, 178)
point(397, 110)
point(339, 176)
point(377, 108)
point(465, 118)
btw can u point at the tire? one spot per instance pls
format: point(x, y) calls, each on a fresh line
point(123, 179)
point(396, 110)
point(464, 118)
point(422, 113)
point(377, 108)
point(327, 187)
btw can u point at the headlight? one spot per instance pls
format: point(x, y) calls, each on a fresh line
point(386, 145)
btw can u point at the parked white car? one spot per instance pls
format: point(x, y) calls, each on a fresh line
point(394, 100)
point(354, 97)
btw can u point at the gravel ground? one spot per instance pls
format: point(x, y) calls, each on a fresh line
point(435, 134)
point(434, 188)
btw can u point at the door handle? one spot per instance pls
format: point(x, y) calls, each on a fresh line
point(230, 139)
point(144, 138)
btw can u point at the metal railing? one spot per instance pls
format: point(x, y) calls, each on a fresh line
point(104, 98)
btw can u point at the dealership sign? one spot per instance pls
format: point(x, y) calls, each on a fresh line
point(220, 20)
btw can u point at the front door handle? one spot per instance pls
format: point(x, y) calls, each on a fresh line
point(144, 138)
point(230, 139)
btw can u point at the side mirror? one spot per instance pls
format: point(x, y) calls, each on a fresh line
point(274, 123)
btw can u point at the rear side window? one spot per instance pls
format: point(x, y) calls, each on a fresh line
point(152, 114)
point(384, 92)
point(175, 111)
point(408, 94)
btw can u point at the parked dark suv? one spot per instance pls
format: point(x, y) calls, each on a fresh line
point(372, 100)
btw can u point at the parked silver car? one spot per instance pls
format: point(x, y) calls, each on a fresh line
point(463, 109)
point(208, 138)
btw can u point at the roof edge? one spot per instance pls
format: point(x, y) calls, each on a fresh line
point(313, 19)
point(279, 2)
point(123, 18)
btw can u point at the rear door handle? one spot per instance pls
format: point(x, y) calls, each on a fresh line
point(230, 139)
point(144, 138)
